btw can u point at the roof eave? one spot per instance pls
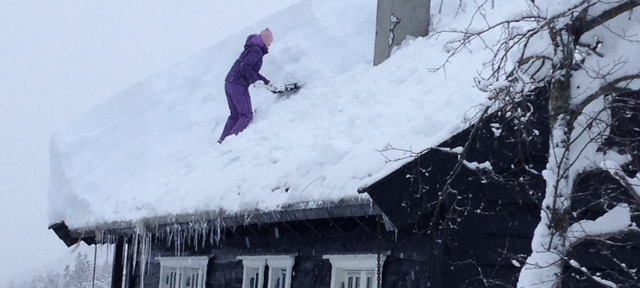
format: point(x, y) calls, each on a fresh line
point(351, 207)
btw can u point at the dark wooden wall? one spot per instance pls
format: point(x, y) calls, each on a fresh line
point(414, 260)
point(487, 218)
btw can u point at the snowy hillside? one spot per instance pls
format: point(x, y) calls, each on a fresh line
point(151, 150)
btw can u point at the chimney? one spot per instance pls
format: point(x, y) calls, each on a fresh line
point(395, 20)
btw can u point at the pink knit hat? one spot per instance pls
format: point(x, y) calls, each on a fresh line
point(266, 36)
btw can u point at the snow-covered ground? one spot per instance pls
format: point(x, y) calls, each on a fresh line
point(52, 272)
point(151, 150)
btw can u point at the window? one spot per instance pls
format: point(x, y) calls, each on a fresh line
point(358, 279)
point(355, 271)
point(279, 278)
point(279, 273)
point(183, 272)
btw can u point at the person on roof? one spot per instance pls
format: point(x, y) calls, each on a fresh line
point(244, 72)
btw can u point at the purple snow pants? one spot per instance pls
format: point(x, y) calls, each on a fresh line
point(240, 106)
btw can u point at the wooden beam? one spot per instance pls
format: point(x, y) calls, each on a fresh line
point(118, 264)
point(233, 230)
point(252, 231)
point(266, 226)
point(363, 226)
point(287, 225)
point(336, 225)
point(310, 226)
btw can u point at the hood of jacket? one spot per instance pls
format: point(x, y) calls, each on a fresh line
point(256, 40)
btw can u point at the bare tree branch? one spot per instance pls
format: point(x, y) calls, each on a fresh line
point(608, 15)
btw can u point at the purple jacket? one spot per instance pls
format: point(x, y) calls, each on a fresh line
point(245, 71)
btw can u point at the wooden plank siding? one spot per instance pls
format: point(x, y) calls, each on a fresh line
point(413, 259)
point(486, 219)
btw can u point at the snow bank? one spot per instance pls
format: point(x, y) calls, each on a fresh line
point(151, 150)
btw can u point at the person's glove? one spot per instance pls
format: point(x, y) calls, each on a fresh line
point(260, 84)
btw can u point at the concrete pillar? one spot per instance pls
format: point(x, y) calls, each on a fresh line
point(395, 20)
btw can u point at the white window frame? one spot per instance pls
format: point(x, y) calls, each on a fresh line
point(180, 265)
point(343, 263)
point(274, 262)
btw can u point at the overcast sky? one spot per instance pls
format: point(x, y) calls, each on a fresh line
point(58, 59)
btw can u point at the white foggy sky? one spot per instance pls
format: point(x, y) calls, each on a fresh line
point(58, 59)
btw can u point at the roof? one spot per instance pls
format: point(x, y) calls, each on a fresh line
point(150, 151)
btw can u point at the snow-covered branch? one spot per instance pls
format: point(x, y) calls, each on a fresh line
point(632, 184)
point(478, 166)
point(598, 279)
point(614, 222)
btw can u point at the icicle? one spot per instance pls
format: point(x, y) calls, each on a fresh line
point(110, 238)
point(277, 231)
point(215, 233)
point(135, 249)
point(141, 238)
point(183, 241)
point(189, 234)
point(218, 231)
point(196, 233)
point(168, 237)
point(178, 237)
point(175, 241)
point(141, 246)
point(145, 259)
point(192, 230)
point(125, 261)
point(388, 225)
point(205, 227)
point(211, 235)
point(98, 238)
point(197, 229)
point(149, 250)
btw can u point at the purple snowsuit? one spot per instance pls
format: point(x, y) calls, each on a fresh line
point(244, 72)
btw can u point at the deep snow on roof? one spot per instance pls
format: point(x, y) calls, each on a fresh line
point(151, 150)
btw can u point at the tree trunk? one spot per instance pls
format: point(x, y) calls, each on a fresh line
point(549, 244)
